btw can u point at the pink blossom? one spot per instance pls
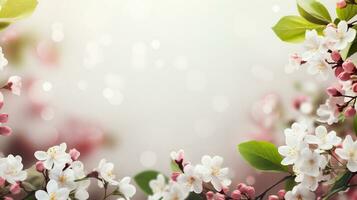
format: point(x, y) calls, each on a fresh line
point(15, 188)
point(5, 130)
point(74, 153)
point(14, 85)
point(341, 4)
point(40, 166)
point(335, 56)
point(350, 112)
point(348, 66)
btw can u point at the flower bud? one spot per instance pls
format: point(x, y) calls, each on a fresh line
point(240, 186)
point(174, 175)
point(4, 118)
point(344, 76)
point(15, 188)
point(335, 56)
point(74, 153)
point(2, 182)
point(40, 166)
point(5, 130)
point(338, 71)
point(348, 66)
point(236, 195)
point(332, 91)
point(250, 191)
point(273, 197)
point(341, 4)
point(209, 195)
point(354, 87)
point(281, 194)
point(8, 198)
point(350, 112)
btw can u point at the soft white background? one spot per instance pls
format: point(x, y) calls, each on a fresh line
point(166, 74)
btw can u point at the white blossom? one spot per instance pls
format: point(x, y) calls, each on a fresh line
point(317, 65)
point(311, 162)
point(312, 45)
point(217, 175)
point(53, 192)
point(325, 140)
point(349, 152)
point(175, 192)
point(328, 113)
point(295, 61)
point(55, 156)
point(106, 172)
point(294, 143)
point(341, 36)
point(125, 188)
point(299, 192)
point(192, 178)
point(11, 169)
point(64, 178)
point(158, 185)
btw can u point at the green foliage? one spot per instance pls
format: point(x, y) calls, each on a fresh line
point(194, 196)
point(313, 11)
point(16, 9)
point(290, 183)
point(143, 178)
point(262, 155)
point(340, 185)
point(347, 13)
point(293, 28)
point(174, 167)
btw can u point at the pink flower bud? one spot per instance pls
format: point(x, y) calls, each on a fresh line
point(209, 195)
point(74, 153)
point(250, 191)
point(350, 112)
point(348, 66)
point(273, 197)
point(5, 131)
point(344, 76)
point(240, 186)
point(341, 4)
point(8, 198)
point(236, 195)
point(354, 87)
point(40, 166)
point(2, 182)
point(332, 91)
point(281, 194)
point(225, 189)
point(15, 188)
point(335, 56)
point(174, 175)
point(14, 85)
point(338, 71)
point(4, 118)
point(219, 196)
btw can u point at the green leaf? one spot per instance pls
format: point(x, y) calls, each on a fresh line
point(347, 13)
point(355, 125)
point(293, 28)
point(194, 196)
point(262, 155)
point(313, 11)
point(143, 178)
point(174, 167)
point(290, 183)
point(340, 185)
point(16, 9)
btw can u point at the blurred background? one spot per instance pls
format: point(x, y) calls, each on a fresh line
point(133, 80)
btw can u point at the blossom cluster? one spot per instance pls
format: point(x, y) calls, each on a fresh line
point(321, 56)
point(209, 179)
point(63, 176)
